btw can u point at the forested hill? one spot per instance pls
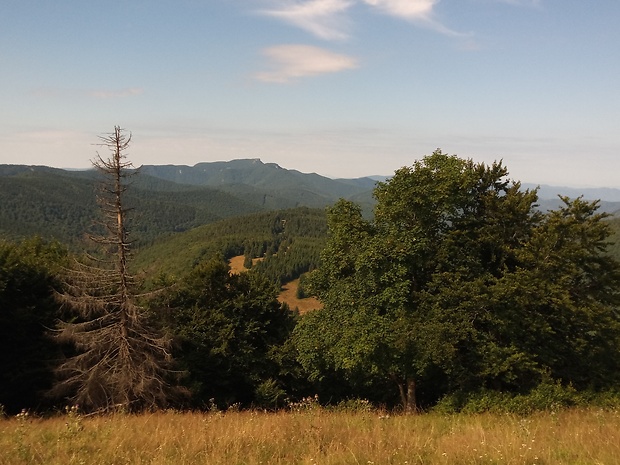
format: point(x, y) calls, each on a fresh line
point(61, 204)
point(288, 243)
point(253, 172)
point(267, 183)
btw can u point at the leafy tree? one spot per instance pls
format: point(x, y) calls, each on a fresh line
point(230, 329)
point(460, 283)
point(27, 309)
point(568, 287)
point(119, 360)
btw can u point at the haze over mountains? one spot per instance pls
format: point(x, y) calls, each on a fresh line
point(256, 173)
point(174, 198)
point(313, 189)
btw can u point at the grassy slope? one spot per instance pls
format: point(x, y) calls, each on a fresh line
point(314, 436)
point(176, 254)
point(288, 293)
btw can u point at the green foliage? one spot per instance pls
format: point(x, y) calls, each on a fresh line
point(289, 243)
point(27, 309)
point(460, 283)
point(269, 394)
point(354, 406)
point(458, 290)
point(229, 330)
point(546, 396)
point(302, 288)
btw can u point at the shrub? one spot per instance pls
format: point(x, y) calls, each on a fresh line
point(547, 396)
point(354, 406)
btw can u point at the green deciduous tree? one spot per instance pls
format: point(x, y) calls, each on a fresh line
point(28, 272)
point(460, 283)
point(230, 329)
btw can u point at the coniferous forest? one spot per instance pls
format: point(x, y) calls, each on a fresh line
point(443, 287)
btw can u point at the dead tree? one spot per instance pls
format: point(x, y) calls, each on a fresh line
point(119, 361)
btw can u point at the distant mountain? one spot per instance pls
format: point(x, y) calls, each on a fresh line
point(589, 193)
point(172, 198)
point(249, 178)
point(61, 204)
point(549, 196)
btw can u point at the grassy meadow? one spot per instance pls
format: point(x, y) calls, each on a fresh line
point(288, 293)
point(313, 437)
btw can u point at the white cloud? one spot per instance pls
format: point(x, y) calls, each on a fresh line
point(407, 9)
point(290, 62)
point(328, 19)
point(323, 18)
point(417, 11)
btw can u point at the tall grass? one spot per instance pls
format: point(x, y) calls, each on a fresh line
point(317, 436)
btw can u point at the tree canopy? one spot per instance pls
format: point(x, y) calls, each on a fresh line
point(229, 329)
point(460, 283)
point(28, 279)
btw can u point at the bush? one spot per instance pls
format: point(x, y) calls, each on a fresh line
point(547, 396)
point(354, 406)
point(269, 394)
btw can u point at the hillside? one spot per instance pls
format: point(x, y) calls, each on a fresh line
point(60, 204)
point(276, 187)
point(173, 199)
point(289, 241)
point(265, 183)
point(288, 293)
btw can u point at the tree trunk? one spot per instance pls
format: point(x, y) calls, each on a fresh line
point(407, 391)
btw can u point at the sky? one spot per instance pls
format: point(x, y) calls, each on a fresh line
point(343, 88)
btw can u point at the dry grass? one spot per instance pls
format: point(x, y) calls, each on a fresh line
point(313, 437)
point(288, 293)
point(236, 264)
point(289, 296)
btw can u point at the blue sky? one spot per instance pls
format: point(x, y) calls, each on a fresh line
point(344, 88)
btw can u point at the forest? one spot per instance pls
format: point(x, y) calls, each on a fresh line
point(456, 293)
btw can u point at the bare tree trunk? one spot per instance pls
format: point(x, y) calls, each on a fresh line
point(411, 397)
point(121, 361)
point(407, 391)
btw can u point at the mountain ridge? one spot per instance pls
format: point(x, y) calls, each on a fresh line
point(545, 191)
point(235, 172)
point(169, 199)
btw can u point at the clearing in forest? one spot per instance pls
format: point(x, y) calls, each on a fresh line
point(288, 292)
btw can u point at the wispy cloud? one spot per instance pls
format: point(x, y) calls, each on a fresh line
point(323, 18)
point(291, 62)
point(415, 11)
point(116, 93)
point(328, 19)
point(407, 9)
